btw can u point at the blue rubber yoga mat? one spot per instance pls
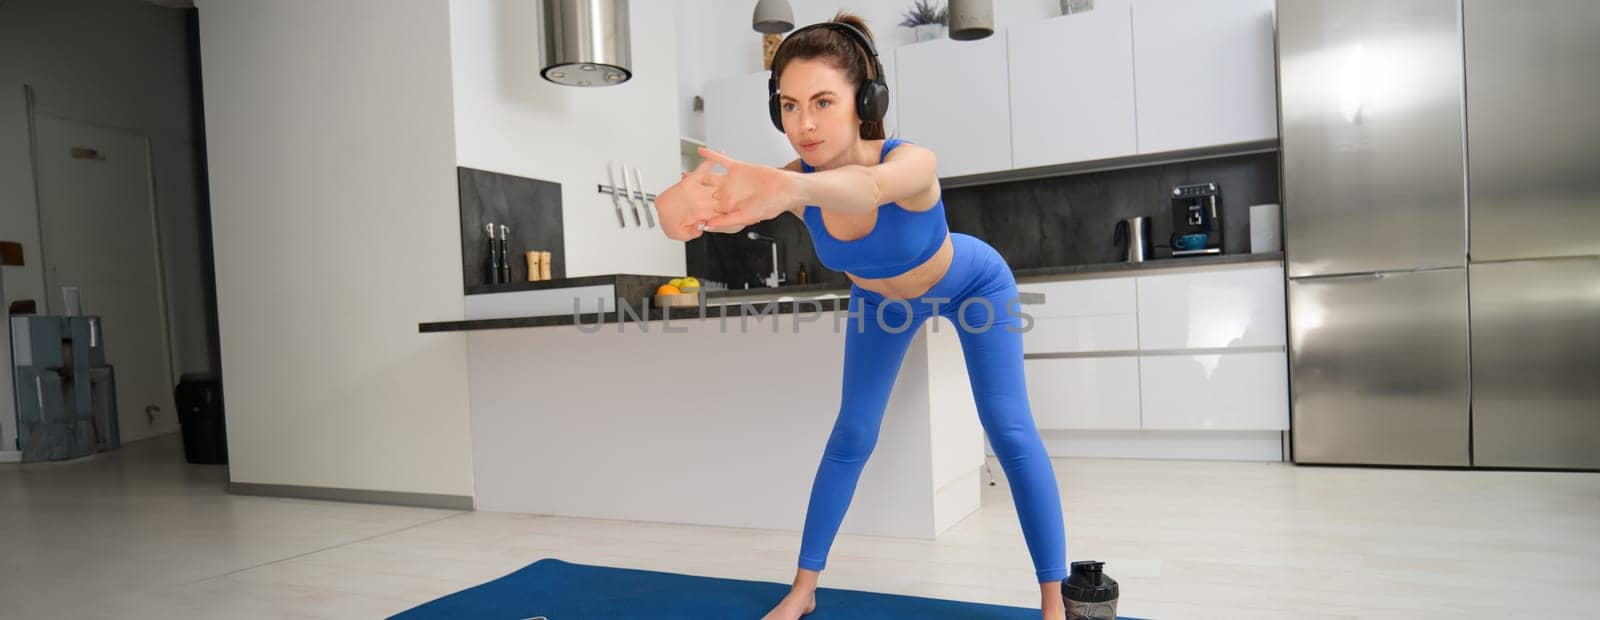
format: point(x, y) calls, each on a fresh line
point(560, 590)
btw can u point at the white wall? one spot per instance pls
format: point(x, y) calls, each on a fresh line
point(332, 162)
point(727, 46)
point(510, 120)
point(121, 63)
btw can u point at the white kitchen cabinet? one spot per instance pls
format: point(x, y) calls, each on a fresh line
point(1082, 316)
point(1071, 79)
point(1088, 393)
point(737, 122)
point(1082, 334)
point(952, 98)
point(1225, 308)
point(1228, 391)
point(1204, 73)
point(1083, 297)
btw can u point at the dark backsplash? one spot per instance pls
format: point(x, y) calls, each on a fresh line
point(531, 207)
point(1051, 222)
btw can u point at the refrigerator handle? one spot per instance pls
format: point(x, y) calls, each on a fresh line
point(1378, 275)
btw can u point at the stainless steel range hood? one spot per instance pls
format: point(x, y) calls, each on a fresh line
point(586, 42)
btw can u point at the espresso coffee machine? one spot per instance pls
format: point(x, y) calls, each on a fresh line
point(1196, 220)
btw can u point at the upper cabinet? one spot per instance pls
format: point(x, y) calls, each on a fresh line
point(1072, 96)
point(951, 98)
point(1130, 77)
point(738, 124)
point(1205, 73)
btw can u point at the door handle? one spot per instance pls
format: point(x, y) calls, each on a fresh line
point(93, 334)
point(38, 387)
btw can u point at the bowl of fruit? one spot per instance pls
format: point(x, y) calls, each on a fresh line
point(678, 293)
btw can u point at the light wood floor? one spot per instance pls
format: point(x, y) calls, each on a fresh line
point(140, 534)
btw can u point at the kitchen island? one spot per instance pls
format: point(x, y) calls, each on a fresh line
point(718, 414)
point(669, 417)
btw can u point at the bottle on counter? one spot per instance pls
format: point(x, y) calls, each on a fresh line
point(803, 278)
point(493, 263)
point(505, 253)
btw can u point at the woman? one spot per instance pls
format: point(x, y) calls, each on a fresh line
point(874, 211)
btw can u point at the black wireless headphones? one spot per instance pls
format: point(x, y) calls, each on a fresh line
point(872, 95)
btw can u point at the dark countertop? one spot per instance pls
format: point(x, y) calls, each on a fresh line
point(618, 279)
point(1068, 272)
point(592, 319)
point(758, 310)
point(787, 289)
point(646, 285)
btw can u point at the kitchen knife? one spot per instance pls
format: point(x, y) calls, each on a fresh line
point(644, 198)
point(622, 222)
point(631, 204)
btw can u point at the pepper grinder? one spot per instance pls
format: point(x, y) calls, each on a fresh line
point(505, 254)
point(494, 257)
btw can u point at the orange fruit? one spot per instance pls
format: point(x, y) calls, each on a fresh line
point(667, 289)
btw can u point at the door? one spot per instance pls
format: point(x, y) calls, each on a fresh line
point(1072, 87)
point(1535, 333)
point(1215, 391)
point(1534, 128)
point(954, 99)
point(99, 233)
point(1203, 73)
point(1373, 167)
point(1084, 393)
point(1379, 366)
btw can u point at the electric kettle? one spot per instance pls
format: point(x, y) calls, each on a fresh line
point(1132, 238)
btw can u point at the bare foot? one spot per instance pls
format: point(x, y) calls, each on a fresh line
point(796, 605)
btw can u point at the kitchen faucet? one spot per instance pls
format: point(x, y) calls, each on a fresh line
point(777, 276)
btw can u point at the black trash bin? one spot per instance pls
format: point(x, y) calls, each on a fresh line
point(205, 434)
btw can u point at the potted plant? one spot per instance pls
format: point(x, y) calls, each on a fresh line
point(926, 20)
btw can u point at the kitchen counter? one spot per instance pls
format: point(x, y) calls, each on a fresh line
point(787, 289)
point(1042, 274)
point(663, 412)
point(632, 286)
point(629, 285)
point(658, 421)
point(1071, 272)
point(714, 307)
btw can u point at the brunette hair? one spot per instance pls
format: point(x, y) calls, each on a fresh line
point(839, 49)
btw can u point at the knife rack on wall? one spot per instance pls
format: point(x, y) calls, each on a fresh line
point(637, 199)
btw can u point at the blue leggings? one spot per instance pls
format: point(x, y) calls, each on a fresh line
point(879, 332)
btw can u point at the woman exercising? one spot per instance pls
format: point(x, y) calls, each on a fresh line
point(874, 211)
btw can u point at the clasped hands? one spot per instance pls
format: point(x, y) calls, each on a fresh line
point(725, 202)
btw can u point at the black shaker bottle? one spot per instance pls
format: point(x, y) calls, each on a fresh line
point(1090, 594)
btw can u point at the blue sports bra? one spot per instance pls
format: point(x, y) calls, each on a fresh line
point(899, 240)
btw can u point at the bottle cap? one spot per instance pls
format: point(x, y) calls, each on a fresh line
point(1088, 583)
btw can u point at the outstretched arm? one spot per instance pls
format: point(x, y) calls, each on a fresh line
point(750, 193)
point(686, 206)
point(906, 176)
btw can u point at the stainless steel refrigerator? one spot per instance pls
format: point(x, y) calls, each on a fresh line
point(1533, 143)
point(1399, 119)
